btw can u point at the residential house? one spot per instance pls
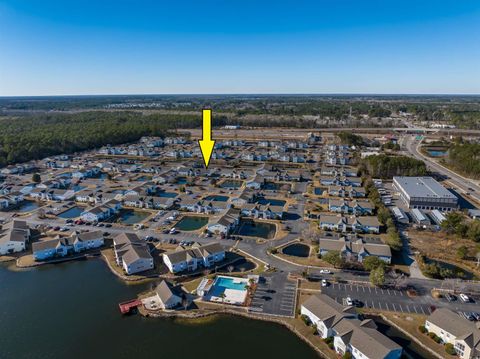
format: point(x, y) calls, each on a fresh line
point(355, 250)
point(363, 224)
point(52, 248)
point(192, 258)
point(350, 207)
point(132, 254)
point(14, 237)
point(226, 223)
point(166, 297)
point(360, 338)
point(86, 240)
point(452, 328)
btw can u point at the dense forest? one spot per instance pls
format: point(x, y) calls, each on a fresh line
point(349, 138)
point(384, 166)
point(465, 158)
point(35, 137)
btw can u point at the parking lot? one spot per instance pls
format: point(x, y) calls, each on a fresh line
point(390, 299)
point(275, 295)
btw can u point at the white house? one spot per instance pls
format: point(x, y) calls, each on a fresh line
point(349, 334)
point(14, 237)
point(453, 329)
point(132, 254)
point(192, 258)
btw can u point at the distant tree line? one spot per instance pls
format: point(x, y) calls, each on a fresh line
point(465, 158)
point(38, 136)
point(349, 138)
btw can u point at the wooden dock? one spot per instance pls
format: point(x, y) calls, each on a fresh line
point(126, 307)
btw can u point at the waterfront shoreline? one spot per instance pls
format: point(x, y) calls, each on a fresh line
point(230, 312)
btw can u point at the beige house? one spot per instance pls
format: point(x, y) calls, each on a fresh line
point(453, 329)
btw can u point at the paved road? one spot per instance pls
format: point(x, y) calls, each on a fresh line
point(459, 181)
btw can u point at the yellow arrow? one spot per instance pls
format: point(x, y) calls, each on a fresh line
point(206, 143)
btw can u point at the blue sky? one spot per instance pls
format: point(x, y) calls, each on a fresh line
point(323, 46)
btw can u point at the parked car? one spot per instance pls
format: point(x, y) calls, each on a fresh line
point(325, 271)
point(349, 301)
point(465, 298)
point(324, 283)
point(450, 297)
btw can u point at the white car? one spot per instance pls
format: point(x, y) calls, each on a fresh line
point(325, 271)
point(324, 283)
point(173, 231)
point(465, 298)
point(349, 301)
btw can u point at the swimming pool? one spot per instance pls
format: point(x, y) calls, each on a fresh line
point(230, 283)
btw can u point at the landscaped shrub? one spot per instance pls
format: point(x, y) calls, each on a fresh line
point(305, 319)
point(435, 337)
point(347, 355)
point(422, 329)
point(450, 349)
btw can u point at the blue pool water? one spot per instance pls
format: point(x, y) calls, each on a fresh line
point(318, 191)
point(222, 283)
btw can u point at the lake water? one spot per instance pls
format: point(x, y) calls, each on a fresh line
point(255, 229)
point(70, 311)
point(191, 223)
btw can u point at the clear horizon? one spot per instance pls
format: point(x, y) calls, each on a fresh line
point(85, 48)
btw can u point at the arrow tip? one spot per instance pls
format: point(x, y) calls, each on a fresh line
point(206, 146)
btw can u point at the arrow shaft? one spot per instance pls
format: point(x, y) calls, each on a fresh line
point(207, 125)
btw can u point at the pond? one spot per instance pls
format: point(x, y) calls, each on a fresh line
point(271, 201)
point(414, 350)
point(143, 178)
point(255, 229)
point(181, 180)
point(273, 186)
point(217, 197)
point(437, 153)
point(231, 184)
point(27, 206)
point(166, 194)
point(73, 212)
point(130, 216)
point(191, 223)
point(297, 250)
